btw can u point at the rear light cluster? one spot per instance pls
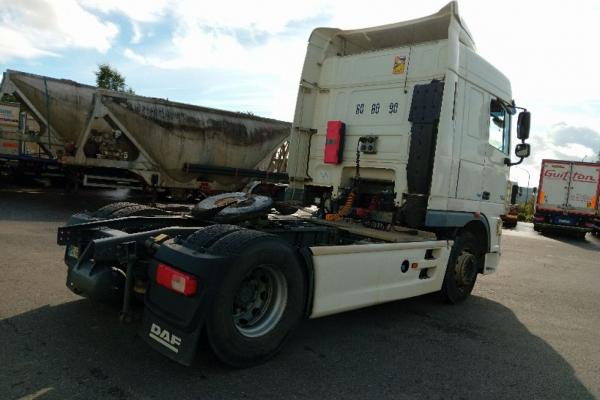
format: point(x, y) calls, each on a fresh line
point(176, 280)
point(539, 218)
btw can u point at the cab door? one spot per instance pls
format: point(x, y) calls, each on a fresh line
point(493, 188)
point(473, 145)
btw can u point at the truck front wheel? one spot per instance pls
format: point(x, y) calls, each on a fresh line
point(463, 267)
point(260, 301)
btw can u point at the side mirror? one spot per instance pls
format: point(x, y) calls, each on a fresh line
point(523, 124)
point(523, 150)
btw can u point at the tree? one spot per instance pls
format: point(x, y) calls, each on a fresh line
point(110, 78)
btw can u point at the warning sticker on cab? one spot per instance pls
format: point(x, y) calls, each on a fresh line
point(399, 65)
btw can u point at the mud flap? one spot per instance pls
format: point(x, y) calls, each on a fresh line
point(491, 263)
point(169, 340)
point(173, 322)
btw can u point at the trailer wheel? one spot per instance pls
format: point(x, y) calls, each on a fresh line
point(463, 267)
point(260, 300)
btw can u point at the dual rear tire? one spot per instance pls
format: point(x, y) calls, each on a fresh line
point(260, 299)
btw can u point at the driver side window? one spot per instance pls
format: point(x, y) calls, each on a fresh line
point(499, 127)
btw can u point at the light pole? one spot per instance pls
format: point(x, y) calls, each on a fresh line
point(528, 178)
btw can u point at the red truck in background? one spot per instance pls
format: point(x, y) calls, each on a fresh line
point(567, 199)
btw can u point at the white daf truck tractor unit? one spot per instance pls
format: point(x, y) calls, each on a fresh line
point(399, 157)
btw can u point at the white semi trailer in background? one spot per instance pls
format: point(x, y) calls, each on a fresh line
point(567, 197)
point(401, 145)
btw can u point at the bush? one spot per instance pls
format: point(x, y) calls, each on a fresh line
point(525, 211)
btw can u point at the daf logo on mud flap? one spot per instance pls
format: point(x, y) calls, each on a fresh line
point(164, 337)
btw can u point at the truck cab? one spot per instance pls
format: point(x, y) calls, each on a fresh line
point(400, 146)
point(415, 116)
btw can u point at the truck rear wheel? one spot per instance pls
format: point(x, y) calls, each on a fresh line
point(126, 209)
point(260, 301)
point(463, 266)
point(109, 209)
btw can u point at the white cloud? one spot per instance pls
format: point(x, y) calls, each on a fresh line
point(37, 28)
point(559, 142)
point(271, 16)
point(233, 36)
point(136, 10)
point(137, 33)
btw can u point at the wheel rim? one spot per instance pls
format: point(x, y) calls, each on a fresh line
point(260, 301)
point(465, 270)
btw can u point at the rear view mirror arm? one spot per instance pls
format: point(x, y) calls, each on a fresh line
point(510, 164)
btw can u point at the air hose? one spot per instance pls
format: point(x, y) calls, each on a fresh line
point(345, 210)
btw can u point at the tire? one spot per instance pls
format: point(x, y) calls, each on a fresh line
point(260, 300)
point(205, 237)
point(109, 209)
point(509, 225)
point(286, 208)
point(126, 209)
point(232, 207)
point(137, 210)
point(464, 264)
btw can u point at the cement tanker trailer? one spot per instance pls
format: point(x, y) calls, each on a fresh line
point(116, 139)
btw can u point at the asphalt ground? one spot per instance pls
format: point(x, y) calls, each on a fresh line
point(530, 331)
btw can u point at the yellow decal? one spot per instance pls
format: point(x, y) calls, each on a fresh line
point(399, 64)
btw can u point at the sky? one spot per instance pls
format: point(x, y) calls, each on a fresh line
point(248, 55)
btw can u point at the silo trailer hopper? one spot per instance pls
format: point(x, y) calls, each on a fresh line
point(116, 139)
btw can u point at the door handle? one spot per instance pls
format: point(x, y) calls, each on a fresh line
point(485, 196)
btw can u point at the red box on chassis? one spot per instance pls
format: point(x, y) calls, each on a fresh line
point(334, 142)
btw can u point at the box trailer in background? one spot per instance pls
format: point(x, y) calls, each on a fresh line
point(567, 198)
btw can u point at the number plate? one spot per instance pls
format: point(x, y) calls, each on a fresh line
point(73, 251)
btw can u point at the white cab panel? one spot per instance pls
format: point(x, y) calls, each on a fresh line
point(348, 277)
